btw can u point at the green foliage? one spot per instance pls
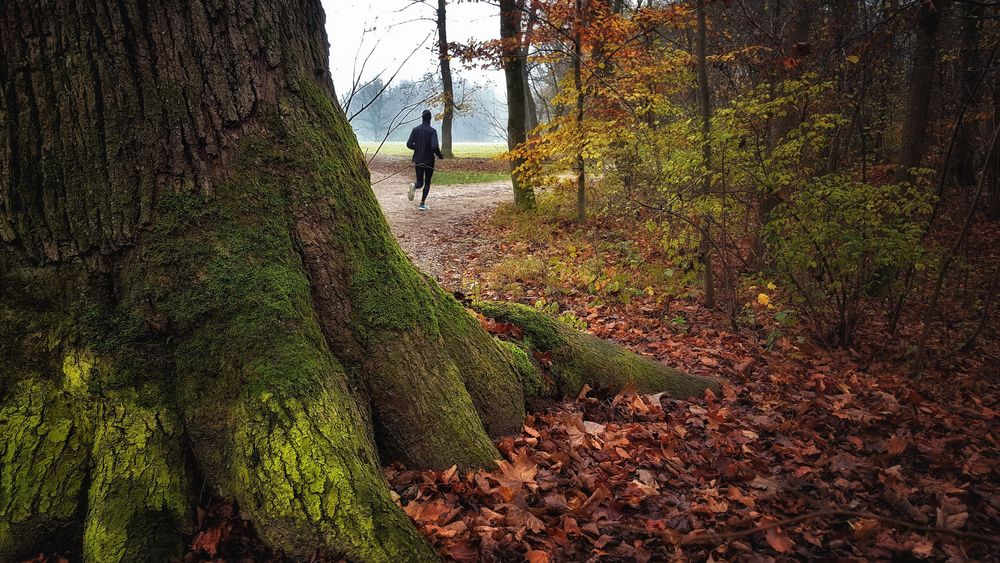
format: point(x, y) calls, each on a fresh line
point(768, 204)
point(838, 242)
point(568, 318)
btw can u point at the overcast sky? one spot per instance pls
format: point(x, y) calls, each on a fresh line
point(397, 30)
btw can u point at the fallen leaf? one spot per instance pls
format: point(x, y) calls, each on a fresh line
point(537, 556)
point(778, 540)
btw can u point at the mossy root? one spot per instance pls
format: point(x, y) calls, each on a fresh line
point(579, 358)
point(44, 445)
point(140, 497)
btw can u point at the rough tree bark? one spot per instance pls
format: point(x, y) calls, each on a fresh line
point(511, 15)
point(198, 290)
point(447, 85)
point(921, 88)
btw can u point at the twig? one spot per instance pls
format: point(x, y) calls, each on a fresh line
point(673, 538)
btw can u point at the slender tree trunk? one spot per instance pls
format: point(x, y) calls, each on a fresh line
point(531, 108)
point(969, 61)
point(531, 115)
point(844, 16)
point(788, 66)
point(921, 84)
point(447, 87)
point(199, 291)
point(705, 108)
point(514, 73)
point(581, 165)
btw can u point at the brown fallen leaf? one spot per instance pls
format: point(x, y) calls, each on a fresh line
point(896, 445)
point(518, 474)
point(778, 540)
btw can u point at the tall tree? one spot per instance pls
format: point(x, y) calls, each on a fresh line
point(793, 23)
point(511, 17)
point(993, 163)
point(581, 165)
point(969, 62)
point(447, 85)
point(705, 109)
point(198, 290)
point(921, 87)
point(531, 108)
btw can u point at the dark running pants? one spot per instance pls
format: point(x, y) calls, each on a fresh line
point(424, 174)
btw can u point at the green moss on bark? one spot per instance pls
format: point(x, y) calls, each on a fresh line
point(528, 371)
point(579, 358)
point(272, 419)
point(439, 386)
point(44, 451)
point(140, 499)
point(309, 480)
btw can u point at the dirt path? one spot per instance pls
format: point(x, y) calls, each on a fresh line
point(442, 234)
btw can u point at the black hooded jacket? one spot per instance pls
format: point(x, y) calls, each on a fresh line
point(424, 144)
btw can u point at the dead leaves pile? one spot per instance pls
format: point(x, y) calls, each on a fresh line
point(646, 478)
point(797, 430)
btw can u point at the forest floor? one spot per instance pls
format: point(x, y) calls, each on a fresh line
point(429, 236)
point(806, 453)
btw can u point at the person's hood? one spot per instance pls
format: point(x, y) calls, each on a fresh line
point(426, 116)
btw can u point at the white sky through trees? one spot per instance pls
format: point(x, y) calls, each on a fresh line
point(399, 29)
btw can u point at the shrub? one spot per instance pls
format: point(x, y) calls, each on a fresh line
point(840, 242)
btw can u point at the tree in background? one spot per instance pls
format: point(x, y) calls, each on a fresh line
point(812, 142)
point(705, 108)
point(513, 58)
point(921, 86)
point(447, 87)
point(444, 66)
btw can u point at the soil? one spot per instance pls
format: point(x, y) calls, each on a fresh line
point(427, 236)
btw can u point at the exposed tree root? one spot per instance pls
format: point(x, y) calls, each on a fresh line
point(139, 498)
point(579, 358)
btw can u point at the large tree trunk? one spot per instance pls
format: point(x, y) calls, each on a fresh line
point(447, 87)
point(511, 15)
point(198, 290)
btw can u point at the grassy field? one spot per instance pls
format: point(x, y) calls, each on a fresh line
point(462, 150)
point(471, 165)
point(452, 177)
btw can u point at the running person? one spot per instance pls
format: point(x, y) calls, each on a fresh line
point(424, 144)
